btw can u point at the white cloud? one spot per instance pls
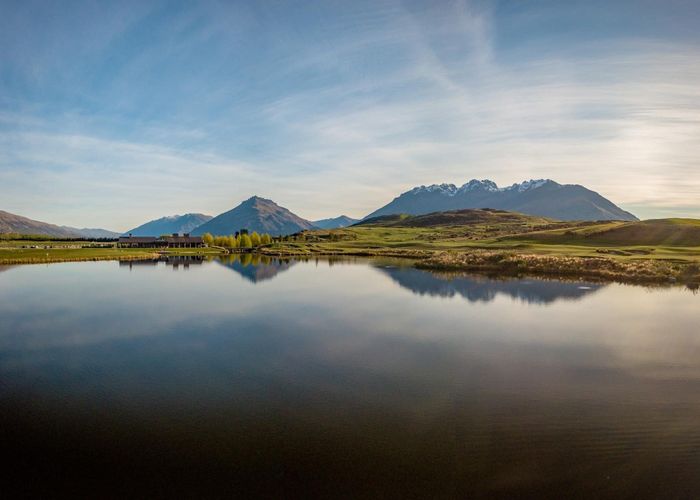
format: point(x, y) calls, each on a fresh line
point(394, 99)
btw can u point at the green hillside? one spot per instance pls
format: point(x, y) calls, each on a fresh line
point(460, 218)
point(657, 232)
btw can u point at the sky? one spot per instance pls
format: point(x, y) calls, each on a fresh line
point(115, 113)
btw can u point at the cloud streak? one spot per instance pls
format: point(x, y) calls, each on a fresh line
point(215, 103)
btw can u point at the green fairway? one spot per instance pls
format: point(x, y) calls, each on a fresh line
point(28, 252)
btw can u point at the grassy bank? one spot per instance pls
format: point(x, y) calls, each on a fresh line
point(599, 268)
point(475, 240)
point(650, 251)
point(61, 252)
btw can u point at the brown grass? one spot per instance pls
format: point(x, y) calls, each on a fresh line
point(638, 271)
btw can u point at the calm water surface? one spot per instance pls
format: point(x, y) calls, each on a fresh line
point(344, 379)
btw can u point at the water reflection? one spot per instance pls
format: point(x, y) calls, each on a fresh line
point(332, 380)
point(255, 268)
point(481, 289)
point(174, 261)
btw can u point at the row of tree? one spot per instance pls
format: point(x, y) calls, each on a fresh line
point(243, 240)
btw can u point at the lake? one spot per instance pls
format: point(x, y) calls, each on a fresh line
point(344, 378)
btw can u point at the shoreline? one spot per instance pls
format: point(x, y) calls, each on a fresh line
point(642, 271)
point(57, 260)
point(486, 262)
point(513, 264)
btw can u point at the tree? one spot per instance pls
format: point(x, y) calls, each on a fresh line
point(245, 241)
point(265, 239)
point(255, 239)
point(208, 239)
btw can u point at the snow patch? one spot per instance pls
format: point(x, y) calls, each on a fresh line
point(478, 185)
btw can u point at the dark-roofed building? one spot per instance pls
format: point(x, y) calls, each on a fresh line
point(139, 242)
point(184, 241)
point(174, 241)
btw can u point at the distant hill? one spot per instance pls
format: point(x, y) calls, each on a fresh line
point(11, 223)
point(671, 232)
point(170, 224)
point(87, 232)
point(255, 214)
point(543, 197)
point(657, 232)
point(337, 222)
point(455, 218)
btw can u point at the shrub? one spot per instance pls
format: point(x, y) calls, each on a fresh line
point(246, 241)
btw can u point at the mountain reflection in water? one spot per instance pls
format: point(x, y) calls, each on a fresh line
point(141, 380)
point(481, 289)
point(255, 268)
point(174, 261)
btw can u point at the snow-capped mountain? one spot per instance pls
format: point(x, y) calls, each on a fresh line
point(477, 185)
point(542, 197)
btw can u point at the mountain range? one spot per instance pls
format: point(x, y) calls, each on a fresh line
point(11, 223)
point(171, 224)
point(255, 214)
point(475, 289)
point(543, 197)
point(335, 223)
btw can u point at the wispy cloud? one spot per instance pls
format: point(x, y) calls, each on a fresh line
point(197, 108)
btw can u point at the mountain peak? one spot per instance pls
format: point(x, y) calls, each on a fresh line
point(335, 222)
point(485, 185)
point(253, 199)
point(541, 197)
point(474, 184)
point(531, 184)
point(434, 188)
point(255, 214)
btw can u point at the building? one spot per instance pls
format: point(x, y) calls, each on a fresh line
point(184, 241)
point(139, 242)
point(174, 241)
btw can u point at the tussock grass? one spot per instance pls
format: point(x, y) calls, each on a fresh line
point(642, 270)
point(545, 248)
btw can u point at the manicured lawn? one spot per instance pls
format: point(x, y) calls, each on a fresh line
point(12, 253)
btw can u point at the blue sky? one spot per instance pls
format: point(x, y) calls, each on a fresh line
point(113, 113)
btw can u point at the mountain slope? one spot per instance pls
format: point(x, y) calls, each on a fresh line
point(255, 214)
point(171, 224)
point(656, 232)
point(88, 232)
point(469, 216)
point(543, 197)
point(12, 223)
point(335, 223)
